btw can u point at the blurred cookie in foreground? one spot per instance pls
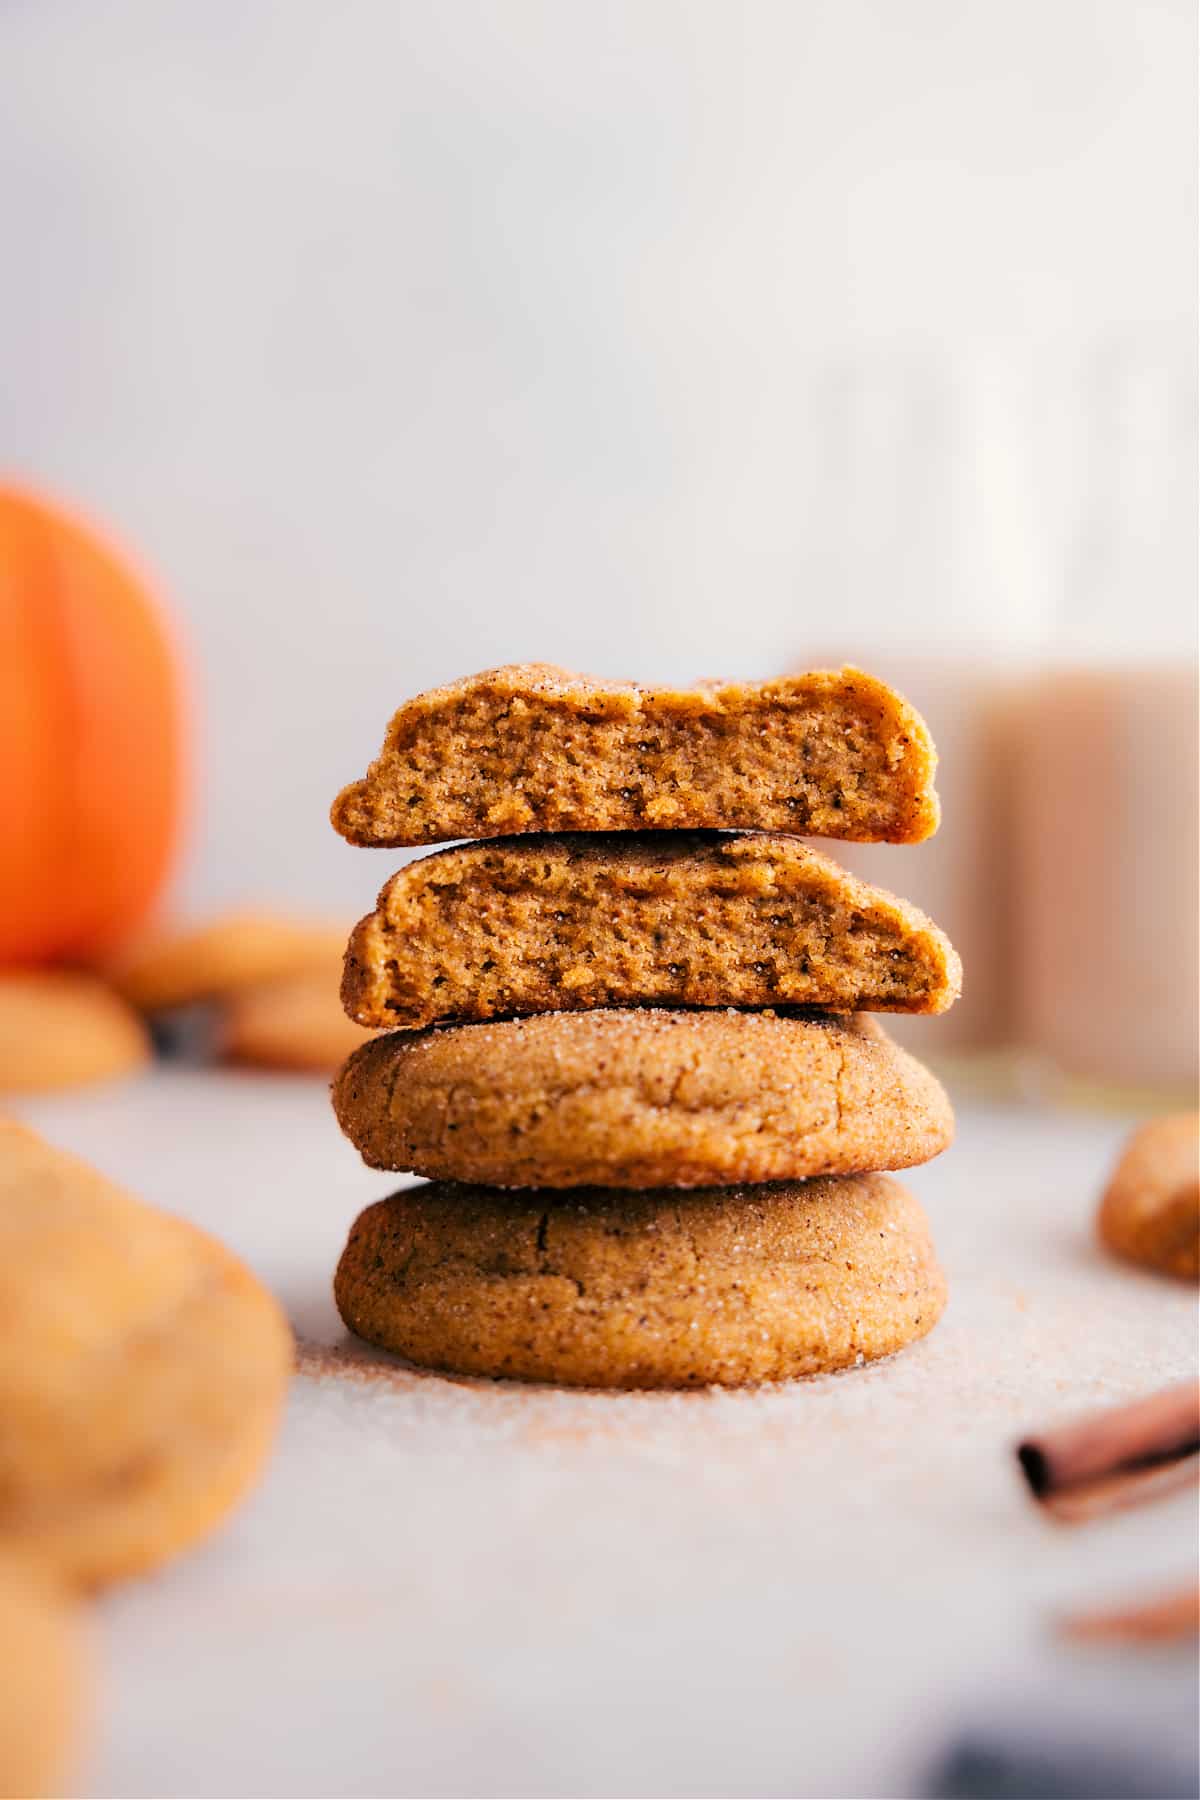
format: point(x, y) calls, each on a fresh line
point(60, 1028)
point(142, 1370)
point(642, 1097)
point(720, 1286)
point(1150, 1212)
point(206, 962)
point(42, 1691)
point(546, 924)
point(296, 1026)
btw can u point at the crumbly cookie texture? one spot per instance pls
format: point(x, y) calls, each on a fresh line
point(42, 1693)
point(636, 1098)
point(229, 954)
point(1150, 1211)
point(543, 924)
point(142, 1370)
point(720, 1286)
point(530, 747)
point(296, 1026)
point(60, 1028)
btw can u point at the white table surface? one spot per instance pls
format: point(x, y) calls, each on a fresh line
point(462, 1588)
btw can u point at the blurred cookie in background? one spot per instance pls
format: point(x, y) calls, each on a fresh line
point(61, 1028)
point(256, 988)
point(1150, 1211)
point(297, 1025)
point(177, 968)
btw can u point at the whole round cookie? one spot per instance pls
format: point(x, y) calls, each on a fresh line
point(599, 1288)
point(142, 1370)
point(1150, 1211)
point(642, 1098)
point(42, 1655)
point(62, 1029)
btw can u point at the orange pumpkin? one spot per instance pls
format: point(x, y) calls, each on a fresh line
point(91, 739)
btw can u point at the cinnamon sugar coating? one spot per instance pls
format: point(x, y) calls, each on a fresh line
point(719, 1286)
point(644, 1097)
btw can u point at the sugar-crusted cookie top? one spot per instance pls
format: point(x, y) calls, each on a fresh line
point(658, 1289)
point(642, 1097)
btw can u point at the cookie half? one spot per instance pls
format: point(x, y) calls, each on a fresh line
point(530, 747)
point(641, 1098)
point(543, 924)
point(142, 1370)
point(720, 1286)
point(1150, 1212)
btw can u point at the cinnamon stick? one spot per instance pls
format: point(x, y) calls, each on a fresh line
point(1121, 1492)
point(1163, 1428)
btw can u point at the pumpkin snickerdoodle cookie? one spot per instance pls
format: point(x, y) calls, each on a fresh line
point(641, 1098)
point(1150, 1212)
point(538, 924)
point(530, 747)
point(142, 1370)
point(599, 1289)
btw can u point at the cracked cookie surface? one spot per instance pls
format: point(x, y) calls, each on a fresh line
point(530, 747)
point(142, 1370)
point(543, 924)
point(723, 1286)
point(642, 1097)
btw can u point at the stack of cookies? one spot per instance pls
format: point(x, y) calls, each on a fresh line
point(625, 1033)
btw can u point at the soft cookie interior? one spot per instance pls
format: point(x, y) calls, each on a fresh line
point(530, 747)
point(551, 923)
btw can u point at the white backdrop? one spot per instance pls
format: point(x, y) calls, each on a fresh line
point(662, 337)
